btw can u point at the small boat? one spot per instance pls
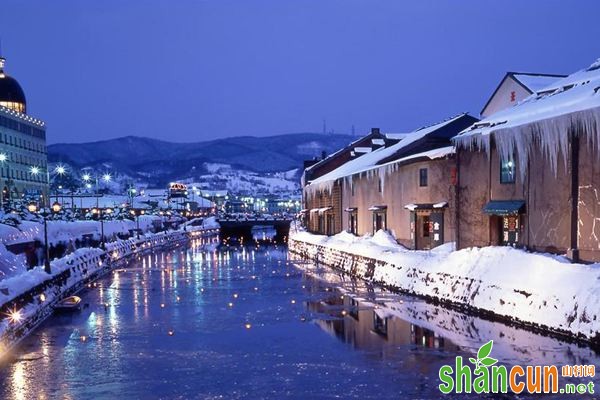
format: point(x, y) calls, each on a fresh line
point(71, 303)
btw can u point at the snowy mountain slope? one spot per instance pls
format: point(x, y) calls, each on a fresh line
point(243, 165)
point(133, 154)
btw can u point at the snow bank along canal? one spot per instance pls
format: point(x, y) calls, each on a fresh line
point(198, 322)
point(541, 291)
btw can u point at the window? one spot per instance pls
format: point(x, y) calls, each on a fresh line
point(379, 188)
point(379, 221)
point(352, 187)
point(423, 177)
point(354, 222)
point(507, 171)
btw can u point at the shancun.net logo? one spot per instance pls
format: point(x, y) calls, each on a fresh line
point(486, 376)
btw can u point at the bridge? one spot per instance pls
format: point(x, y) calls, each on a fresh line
point(241, 227)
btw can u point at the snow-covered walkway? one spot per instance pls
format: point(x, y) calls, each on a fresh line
point(538, 289)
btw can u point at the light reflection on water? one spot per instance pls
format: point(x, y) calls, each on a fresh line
point(247, 323)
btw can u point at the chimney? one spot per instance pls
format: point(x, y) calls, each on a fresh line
point(323, 155)
point(375, 131)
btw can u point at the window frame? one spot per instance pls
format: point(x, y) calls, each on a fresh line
point(504, 181)
point(423, 177)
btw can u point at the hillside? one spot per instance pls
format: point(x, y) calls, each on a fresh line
point(157, 162)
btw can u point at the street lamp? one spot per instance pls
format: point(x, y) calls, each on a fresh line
point(137, 221)
point(3, 160)
point(56, 207)
point(101, 213)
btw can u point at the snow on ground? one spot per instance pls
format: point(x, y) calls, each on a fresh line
point(65, 231)
point(59, 231)
point(535, 288)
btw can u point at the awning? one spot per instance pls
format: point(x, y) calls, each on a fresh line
point(426, 206)
point(504, 207)
point(377, 208)
point(351, 209)
point(303, 210)
point(323, 209)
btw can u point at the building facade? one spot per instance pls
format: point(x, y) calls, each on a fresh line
point(404, 185)
point(528, 175)
point(23, 157)
point(413, 200)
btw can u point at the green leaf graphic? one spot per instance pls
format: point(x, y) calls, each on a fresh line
point(485, 350)
point(489, 361)
point(474, 361)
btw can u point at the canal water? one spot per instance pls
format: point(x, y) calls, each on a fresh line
point(250, 323)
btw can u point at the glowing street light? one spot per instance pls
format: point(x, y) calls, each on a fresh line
point(56, 207)
point(86, 177)
point(15, 316)
point(3, 157)
point(60, 170)
point(106, 177)
point(35, 170)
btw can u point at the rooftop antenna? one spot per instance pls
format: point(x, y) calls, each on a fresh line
point(324, 126)
point(2, 59)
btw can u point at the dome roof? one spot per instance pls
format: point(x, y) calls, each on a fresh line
point(10, 90)
point(11, 94)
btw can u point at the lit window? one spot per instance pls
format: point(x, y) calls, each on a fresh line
point(507, 171)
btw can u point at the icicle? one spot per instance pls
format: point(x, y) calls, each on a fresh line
point(550, 137)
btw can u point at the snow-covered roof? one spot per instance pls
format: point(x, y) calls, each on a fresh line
point(396, 136)
point(370, 160)
point(547, 116)
point(215, 193)
point(535, 82)
point(338, 152)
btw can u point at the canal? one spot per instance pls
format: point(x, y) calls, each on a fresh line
point(251, 323)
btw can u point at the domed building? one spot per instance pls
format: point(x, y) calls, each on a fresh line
point(23, 160)
point(11, 94)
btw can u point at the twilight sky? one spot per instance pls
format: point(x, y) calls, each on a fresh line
point(198, 70)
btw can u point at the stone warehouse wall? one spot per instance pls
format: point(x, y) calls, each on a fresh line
point(72, 273)
point(545, 223)
point(399, 188)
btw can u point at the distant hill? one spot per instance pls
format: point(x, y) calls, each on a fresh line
point(158, 161)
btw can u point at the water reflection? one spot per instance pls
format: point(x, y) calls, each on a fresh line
point(367, 326)
point(369, 317)
point(231, 322)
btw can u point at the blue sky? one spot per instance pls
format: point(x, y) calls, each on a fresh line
point(199, 70)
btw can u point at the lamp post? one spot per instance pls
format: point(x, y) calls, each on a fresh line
point(56, 207)
point(137, 221)
point(101, 213)
point(3, 159)
point(60, 170)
